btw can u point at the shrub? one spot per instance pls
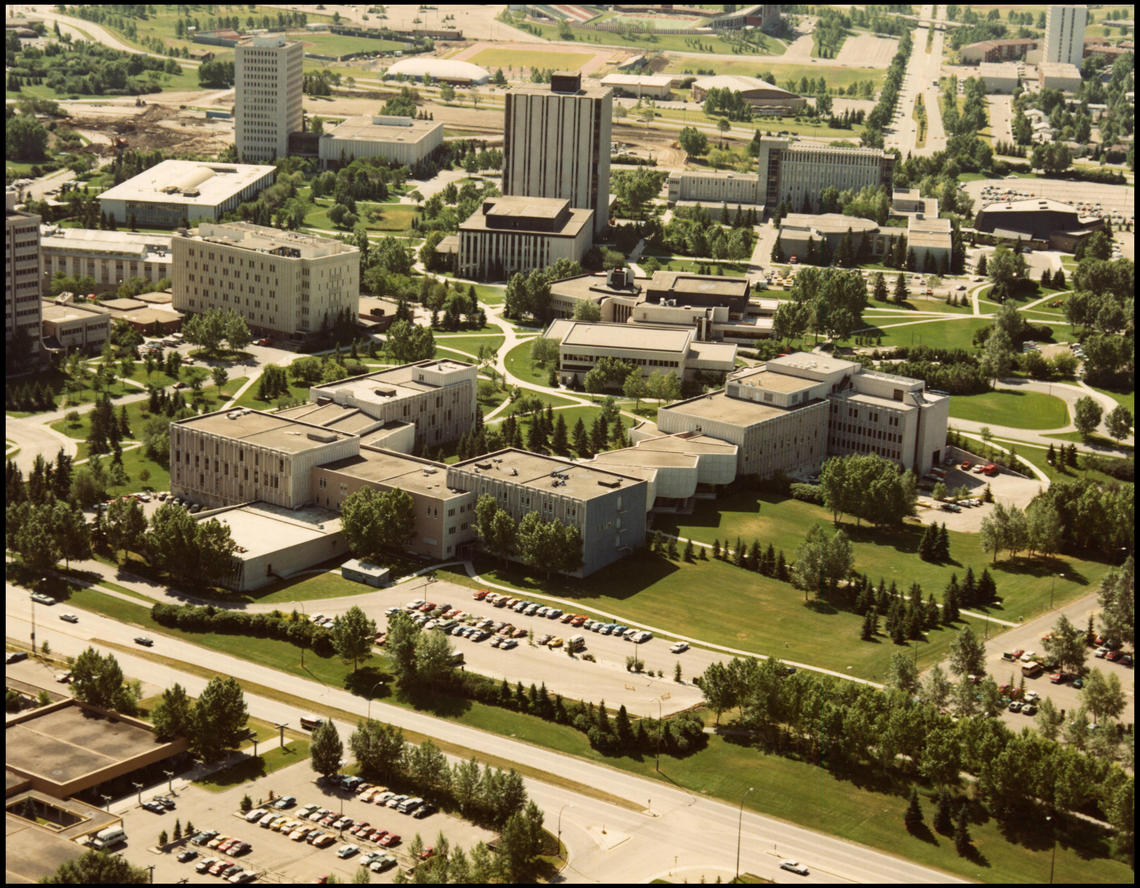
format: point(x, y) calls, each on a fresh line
point(809, 493)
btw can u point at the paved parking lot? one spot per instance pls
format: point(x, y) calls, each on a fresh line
point(274, 856)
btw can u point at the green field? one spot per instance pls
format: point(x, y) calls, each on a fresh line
point(938, 333)
point(1128, 399)
point(394, 217)
point(339, 44)
point(468, 344)
point(517, 362)
point(836, 76)
point(556, 59)
point(1025, 410)
point(642, 41)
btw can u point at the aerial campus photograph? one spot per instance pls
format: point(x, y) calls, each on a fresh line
point(569, 443)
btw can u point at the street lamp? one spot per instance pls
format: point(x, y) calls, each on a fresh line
point(138, 787)
point(1052, 586)
point(106, 801)
point(657, 767)
point(1053, 836)
point(374, 687)
point(739, 822)
point(150, 866)
point(169, 781)
point(560, 810)
point(302, 604)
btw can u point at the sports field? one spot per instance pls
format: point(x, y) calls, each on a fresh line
point(523, 58)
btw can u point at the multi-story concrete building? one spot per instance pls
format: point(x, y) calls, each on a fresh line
point(999, 77)
point(557, 144)
point(281, 282)
point(436, 398)
point(397, 139)
point(798, 230)
point(789, 414)
point(70, 326)
point(110, 257)
point(997, 51)
point(1065, 34)
point(719, 193)
point(796, 172)
point(655, 86)
point(606, 506)
point(652, 349)
point(184, 192)
point(509, 234)
point(267, 97)
point(22, 274)
point(1063, 76)
point(931, 240)
point(241, 455)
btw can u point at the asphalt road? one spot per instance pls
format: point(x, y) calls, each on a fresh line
point(607, 842)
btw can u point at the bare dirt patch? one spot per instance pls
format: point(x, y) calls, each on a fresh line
point(868, 51)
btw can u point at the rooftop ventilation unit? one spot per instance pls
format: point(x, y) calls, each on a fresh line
point(616, 482)
point(323, 437)
point(483, 465)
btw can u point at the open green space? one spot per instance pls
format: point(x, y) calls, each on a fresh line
point(469, 344)
point(1025, 410)
point(517, 362)
point(374, 216)
point(552, 400)
point(1094, 438)
point(815, 128)
point(490, 295)
point(271, 757)
point(1128, 399)
point(554, 59)
point(296, 393)
point(342, 44)
point(647, 41)
point(1036, 455)
point(938, 333)
point(679, 263)
point(836, 75)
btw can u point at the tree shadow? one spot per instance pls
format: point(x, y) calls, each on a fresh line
point(821, 606)
point(922, 832)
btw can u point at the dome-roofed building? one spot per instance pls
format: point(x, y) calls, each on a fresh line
point(760, 94)
point(446, 70)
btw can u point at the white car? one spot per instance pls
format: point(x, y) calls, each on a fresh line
point(679, 648)
point(794, 866)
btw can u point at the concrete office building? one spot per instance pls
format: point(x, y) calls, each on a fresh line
point(799, 230)
point(436, 398)
point(509, 234)
point(930, 238)
point(241, 455)
point(70, 326)
point(556, 144)
point(110, 257)
point(796, 172)
point(444, 515)
point(267, 97)
point(999, 77)
point(177, 192)
point(1059, 75)
point(1037, 219)
point(652, 349)
point(1065, 34)
point(281, 282)
point(718, 193)
point(654, 86)
point(791, 413)
point(22, 274)
point(606, 506)
point(997, 51)
point(764, 97)
point(400, 140)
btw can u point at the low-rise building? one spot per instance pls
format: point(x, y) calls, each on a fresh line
point(799, 230)
point(110, 257)
point(282, 282)
point(996, 51)
point(790, 413)
point(606, 506)
point(1060, 76)
point(654, 86)
point(520, 234)
point(654, 349)
point(437, 398)
point(182, 192)
point(795, 173)
point(930, 238)
point(999, 77)
point(1037, 219)
point(764, 97)
point(721, 194)
point(400, 140)
point(70, 326)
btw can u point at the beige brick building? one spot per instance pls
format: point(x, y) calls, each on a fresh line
point(280, 281)
point(796, 172)
point(509, 234)
point(267, 97)
point(22, 307)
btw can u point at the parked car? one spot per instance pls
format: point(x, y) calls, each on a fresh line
point(188, 854)
point(205, 863)
point(285, 802)
point(69, 618)
point(390, 840)
point(143, 640)
point(794, 866)
point(347, 851)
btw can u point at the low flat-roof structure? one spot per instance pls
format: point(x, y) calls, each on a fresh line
point(1059, 75)
point(999, 77)
point(191, 190)
point(519, 234)
point(655, 85)
point(397, 139)
point(67, 325)
point(35, 849)
point(264, 430)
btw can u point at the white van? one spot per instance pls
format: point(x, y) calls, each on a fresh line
point(109, 837)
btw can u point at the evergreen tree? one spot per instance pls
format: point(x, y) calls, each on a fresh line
point(962, 832)
point(716, 548)
point(768, 564)
point(987, 588)
point(942, 549)
point(558, 440)
point(969, 594)
point(781, 567)
point(738, 553)
point(867, 634)
point(1051, 456)
point(943, 819)
point(581, 442)
point(927, 543)
point(688, 556)
point(913, 817)
point(752, 560)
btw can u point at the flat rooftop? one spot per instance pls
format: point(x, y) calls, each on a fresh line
point(928, 239)
point(61, 313)
point(777, 382)
point(331, 416)
point(398, 382)
point(619, 336)
point(262, 239)
point(261, 528)
point(543, 89)
point(592, 286)
point(875, 401)
point(721, 408)
point(687, 443)
point(679, 283)
point(189, 182)
point(396, 470)
point(536, 471)
point(264, 429)
point(828, 223)
point(379, 128)
point(540, 209)
point(639, 456)
point(817, 361)
point(153, 247)
point(637, 80)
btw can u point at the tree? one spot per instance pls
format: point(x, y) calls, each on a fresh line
point(903, 673)
point(1119, 422)
point(880, 288)
point(375, 521)
point(326, 749)
point(967, 654)
point(219, 718)
point(220, 377)
point(96, 679)
point(719, 688)
point(1049, 719)
point(693, 142)
point(1086, 416)
point(962, 832)
point(1103, 695)
point(634, 387)
point(587, 311)
point(401, 645)
point(352, 635)
point(433, 661)
point(98, 868)
point(172, 714)
point(997, 355)
point(378, 747)
point(1066, 645)
point(125, 524)
point(1117, 599)
point(913, 816)
point(407, 342)
point(25, 138)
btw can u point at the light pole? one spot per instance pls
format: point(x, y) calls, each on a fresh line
point(138, 788)
point(150, 866)
point(106, 801)
point(739, 822)
point(302, 604)
point(560, 810)
point(1052, 586)
point(657, 767)
point(1053, 837)
point(169, 781)
point(374, 687)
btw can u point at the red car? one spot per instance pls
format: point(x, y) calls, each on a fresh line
point(389, 840)
point(427, 853)
point(377, 834)
point(359, 828)
point(480, 594)
point(329, 819)
point(1059, 678)
point(1112, 655)
point(426, 607)
point(965, 466)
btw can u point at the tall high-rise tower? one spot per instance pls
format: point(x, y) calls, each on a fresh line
point(267, 97)
point(1065, 34)
point(22, 279)
point(557, 144)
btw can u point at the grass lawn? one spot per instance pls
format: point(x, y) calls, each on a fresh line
point(887, 553)
point(494, 397)
point(679, 263)
point(836, 76)
point(557, 59)
point(295, 393)
point(553, 400)
point(937, 333)
point(468, 344)
point(340, 44)
point(490, 295)
point(395, 217)
point(271, 758)
point(1128, 399)
point(1026, 410)
point(1094, 438)
point(637, 40)
point(517, 362)
point(1036, 455)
